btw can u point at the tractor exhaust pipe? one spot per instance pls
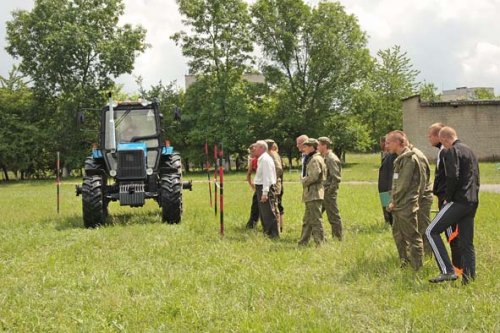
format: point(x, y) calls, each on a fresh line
point(111, 126)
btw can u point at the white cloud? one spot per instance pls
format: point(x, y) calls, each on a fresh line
point(481, 65)
point(452, 42)
point(163, 60)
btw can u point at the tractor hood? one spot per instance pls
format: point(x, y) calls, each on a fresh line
point(133, 146)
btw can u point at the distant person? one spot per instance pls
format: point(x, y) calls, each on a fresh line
point(385, 173)
point(439, 190)
point(265, 185)
point(251, 169)
point(331, 186)
point(278, 163)
point(313, 176)
point(460, 206)
point(404, 200)
point(300, 146)
point(425, 198)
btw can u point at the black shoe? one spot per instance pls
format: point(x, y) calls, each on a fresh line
point(444, 277)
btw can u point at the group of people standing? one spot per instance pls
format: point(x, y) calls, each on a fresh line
point(320, 178)
point(406, 194)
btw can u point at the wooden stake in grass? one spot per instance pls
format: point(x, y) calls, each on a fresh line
point(58, 180)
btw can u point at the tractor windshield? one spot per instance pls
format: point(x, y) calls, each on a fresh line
point(130, 123)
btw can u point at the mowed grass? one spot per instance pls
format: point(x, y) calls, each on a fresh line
point(137, 274)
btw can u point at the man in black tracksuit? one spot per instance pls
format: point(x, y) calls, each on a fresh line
point(460, 205)
point(439, 190)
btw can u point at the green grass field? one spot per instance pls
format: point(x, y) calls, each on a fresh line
point(139, 275)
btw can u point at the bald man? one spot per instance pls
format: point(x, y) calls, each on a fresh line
point(460, 206)
point(439, 190)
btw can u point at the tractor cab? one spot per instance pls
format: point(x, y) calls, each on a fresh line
point(132, 147)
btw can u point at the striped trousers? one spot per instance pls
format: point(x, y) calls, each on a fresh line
point(462, 215)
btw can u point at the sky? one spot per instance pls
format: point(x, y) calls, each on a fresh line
point(453, 43)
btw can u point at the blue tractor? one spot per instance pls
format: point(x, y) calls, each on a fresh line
point(132, 163)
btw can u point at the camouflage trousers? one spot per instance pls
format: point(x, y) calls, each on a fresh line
point(332, 211)
point(312, 223)
point(424, 219)
point(407, 238)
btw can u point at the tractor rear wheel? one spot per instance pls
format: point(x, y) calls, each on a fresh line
point(94, 204)
point(171, 189)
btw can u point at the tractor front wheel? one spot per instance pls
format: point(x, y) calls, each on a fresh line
point(171, 198)
point(94, 204)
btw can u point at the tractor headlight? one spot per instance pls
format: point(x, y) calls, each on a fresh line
point(112, 173)
point(149, 171)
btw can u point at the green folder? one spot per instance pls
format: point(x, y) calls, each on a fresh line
point(385, 197)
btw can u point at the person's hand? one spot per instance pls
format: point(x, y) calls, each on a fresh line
point(263, 198)
point(390, 208)
point(252, 185)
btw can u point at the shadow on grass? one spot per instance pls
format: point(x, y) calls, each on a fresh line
point(27, 182)
point(242, 235)
point(377, 228)
point(117, 219)
point(348, 165)
point(367, 266)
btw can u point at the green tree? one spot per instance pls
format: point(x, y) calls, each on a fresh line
point(71, 50)
point(314, 57)
point(218, 49)
point(20, 138)
point(378, 101)
point(427, 92)
point(483, 94)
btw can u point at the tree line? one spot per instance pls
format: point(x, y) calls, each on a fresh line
point(320, 79)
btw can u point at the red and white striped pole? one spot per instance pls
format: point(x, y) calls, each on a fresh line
point(207, 166)
point(215, 178)
point(221, 188)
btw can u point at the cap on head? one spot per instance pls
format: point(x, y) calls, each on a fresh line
point(325, 141)
point(311, 142)
point(270, 143)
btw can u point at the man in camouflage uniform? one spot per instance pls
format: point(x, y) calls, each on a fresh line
point(404, 200)
point(331, 185)
point(278, 163)
point(312, 182)
point(425, 198)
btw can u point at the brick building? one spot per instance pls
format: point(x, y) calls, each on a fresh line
point(477, 124)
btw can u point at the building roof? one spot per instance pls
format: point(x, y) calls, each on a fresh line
point(454, 103)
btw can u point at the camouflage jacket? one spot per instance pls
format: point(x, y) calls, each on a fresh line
point(425, 174)
point(334, 168)
point(406, 181)
point(279, 171)
point(312, 182)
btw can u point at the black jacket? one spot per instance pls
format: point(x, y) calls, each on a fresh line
point(439, 188)
point(462, 174)
point(385, 172)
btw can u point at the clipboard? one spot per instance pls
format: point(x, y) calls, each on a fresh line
point(385, 198)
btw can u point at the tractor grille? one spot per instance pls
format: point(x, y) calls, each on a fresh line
point(131, 164)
